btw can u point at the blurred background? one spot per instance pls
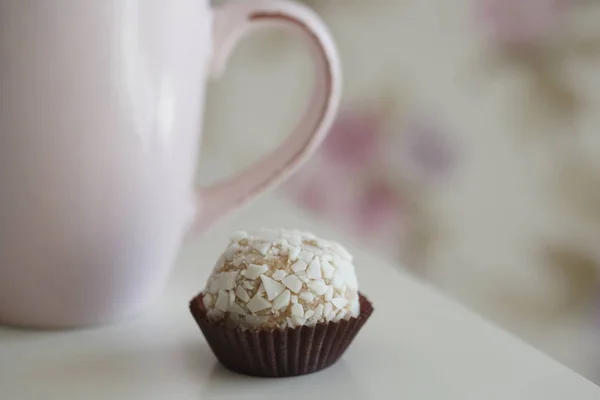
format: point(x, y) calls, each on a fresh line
point(467, 150)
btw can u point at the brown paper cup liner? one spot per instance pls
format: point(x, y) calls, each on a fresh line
point(279, 353)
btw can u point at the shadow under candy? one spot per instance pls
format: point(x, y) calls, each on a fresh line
point(334, 382)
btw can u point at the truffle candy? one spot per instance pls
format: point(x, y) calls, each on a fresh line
point(278, 279)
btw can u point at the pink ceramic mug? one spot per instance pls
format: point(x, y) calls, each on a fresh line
point(100, 119)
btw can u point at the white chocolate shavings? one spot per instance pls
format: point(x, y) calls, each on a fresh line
point(279, 275)
point(279, 279)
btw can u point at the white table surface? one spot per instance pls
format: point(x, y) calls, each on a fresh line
point(417, 345)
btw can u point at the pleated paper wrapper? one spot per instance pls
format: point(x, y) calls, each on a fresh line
point(279, 353)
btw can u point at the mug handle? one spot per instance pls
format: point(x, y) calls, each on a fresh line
point(233, 21)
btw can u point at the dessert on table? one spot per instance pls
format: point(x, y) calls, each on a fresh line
point(281, 303)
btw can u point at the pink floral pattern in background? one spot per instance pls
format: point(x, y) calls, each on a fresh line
point(370, 175)
point(426, 153)
point(355, 140)
point(521, 22)
point(345, 181)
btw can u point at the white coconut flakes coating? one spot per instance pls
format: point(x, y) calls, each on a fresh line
point(278, 279)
